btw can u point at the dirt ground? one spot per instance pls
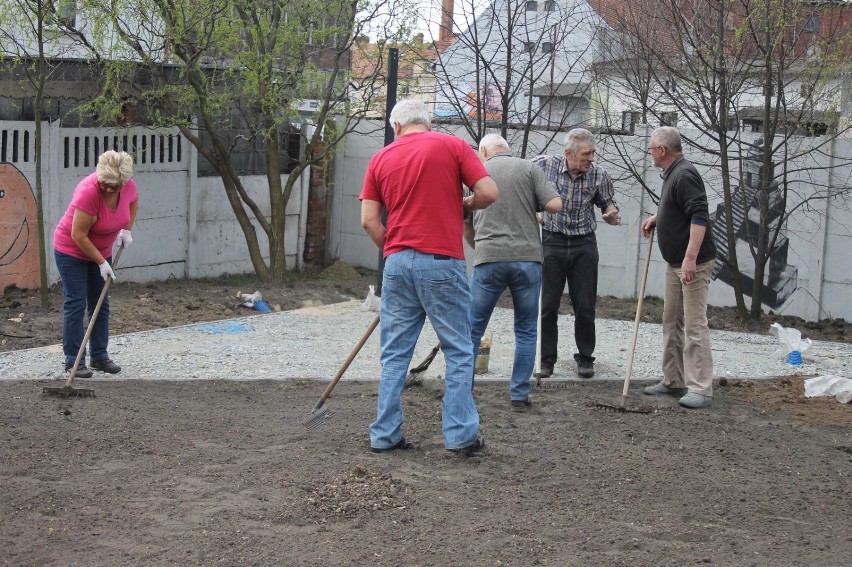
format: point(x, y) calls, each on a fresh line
point(211, 472)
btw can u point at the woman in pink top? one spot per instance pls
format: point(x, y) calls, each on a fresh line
point(102, 212)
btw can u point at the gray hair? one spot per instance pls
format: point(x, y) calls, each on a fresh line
point(669, 137)
point(493, 142)
point(410, 111)
point(114, 168)
point(578, 136)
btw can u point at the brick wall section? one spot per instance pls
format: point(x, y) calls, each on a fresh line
point(318, 211)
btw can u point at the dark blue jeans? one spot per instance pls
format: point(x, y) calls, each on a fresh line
point(572, 260)
point(82, 285)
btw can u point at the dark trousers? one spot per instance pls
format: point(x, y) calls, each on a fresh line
point(82, 285)
point(572, 260)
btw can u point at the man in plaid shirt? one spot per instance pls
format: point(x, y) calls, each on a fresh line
point(570, 246)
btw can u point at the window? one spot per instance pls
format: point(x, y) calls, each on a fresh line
point(65, 14)
point(670, 86)
point(546, 47)
point(550, 6)
point(812, 23)
point(629, 120)
point(532, 6)
point(668, 119)
point(529, 47)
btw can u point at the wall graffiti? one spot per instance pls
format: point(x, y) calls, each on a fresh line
point(781, 279)
point(19, 239)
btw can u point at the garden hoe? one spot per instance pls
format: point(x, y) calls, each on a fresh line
point(320, 415)
point(68, 390)
point(622, 407)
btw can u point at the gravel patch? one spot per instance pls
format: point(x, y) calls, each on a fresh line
point(313, 343)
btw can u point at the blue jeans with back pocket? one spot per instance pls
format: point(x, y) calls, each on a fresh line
point(416, 286)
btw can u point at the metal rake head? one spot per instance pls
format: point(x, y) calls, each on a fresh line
point(68, 392)
point(318, 419)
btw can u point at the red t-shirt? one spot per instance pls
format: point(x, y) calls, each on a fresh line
point(418, 178)
point(88, 198)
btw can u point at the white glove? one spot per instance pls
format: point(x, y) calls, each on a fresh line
point(124, 239)
point(106, 271)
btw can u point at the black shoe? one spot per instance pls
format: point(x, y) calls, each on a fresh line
point(521, 405)
point(585, 368)
point(474, 447)
point(82, 371)
point(402, 445)
point(546, 371)
point(107, 366)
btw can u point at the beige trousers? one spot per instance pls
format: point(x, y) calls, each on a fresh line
point(687, 360)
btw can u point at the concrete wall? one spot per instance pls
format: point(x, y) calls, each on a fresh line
point(186, 227)
point(819, 229)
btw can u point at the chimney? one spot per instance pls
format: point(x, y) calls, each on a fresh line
point(445, 33)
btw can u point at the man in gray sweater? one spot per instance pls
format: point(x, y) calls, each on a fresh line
point(508, 254)
point(686, 244)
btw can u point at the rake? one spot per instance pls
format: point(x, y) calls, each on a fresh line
point(68, 390)
point(320, 415)
point(414, 373)
point(622, 405)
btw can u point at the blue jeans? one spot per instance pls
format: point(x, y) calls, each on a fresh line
point(82, 285)
point(523, 279)
point(571, 259)
point(415, 286)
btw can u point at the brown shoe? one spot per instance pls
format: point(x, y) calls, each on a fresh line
point(107, 366)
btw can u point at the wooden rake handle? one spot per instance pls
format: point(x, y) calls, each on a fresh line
point(92, 320)
point(346, 364)
point(629, 370)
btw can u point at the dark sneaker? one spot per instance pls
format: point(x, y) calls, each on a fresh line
point(474, 447)
point(402, 445)
point(521, 405)
point(585, 368)
point(663, 390)
point(546, 371)
point(82, 371)
point(107, 366)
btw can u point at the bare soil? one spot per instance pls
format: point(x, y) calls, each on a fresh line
point(213, 472)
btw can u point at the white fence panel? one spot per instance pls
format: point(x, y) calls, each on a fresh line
point(185, 227)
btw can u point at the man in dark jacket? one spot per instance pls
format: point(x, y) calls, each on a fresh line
point(683, 235)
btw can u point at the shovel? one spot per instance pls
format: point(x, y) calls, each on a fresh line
point(68, 390)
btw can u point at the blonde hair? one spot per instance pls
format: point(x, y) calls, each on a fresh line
point(115, 168)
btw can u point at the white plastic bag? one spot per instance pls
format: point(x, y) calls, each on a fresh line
point(373, 302)
point(791, 340)
point(255, 301)
point(249, 299)
point(837, 386)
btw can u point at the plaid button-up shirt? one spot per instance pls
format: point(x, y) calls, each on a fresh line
point(579, 196)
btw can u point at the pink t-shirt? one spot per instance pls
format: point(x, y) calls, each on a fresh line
point(418, 178)
point(89, 199)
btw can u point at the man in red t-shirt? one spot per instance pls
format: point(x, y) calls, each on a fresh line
point(418, 180)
